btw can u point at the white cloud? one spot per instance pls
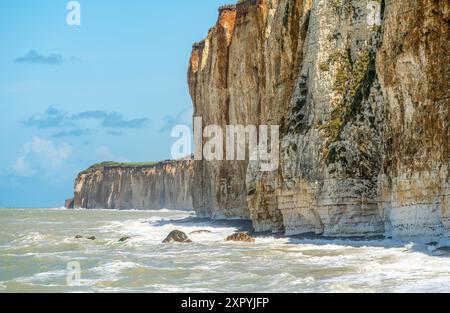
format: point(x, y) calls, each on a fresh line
point(47, 151)
point(40, 154)
point(21, 168)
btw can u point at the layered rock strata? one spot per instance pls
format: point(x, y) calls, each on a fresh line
point(140, 187)
point(361, 92)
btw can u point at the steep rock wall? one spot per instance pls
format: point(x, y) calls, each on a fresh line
point(363, 108)
point(245, 65)
point(413, 64)
point(163, 185)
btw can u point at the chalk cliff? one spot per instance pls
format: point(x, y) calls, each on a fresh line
point(361, 92)
point(133, 186)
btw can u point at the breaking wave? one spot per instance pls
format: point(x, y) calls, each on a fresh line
point(35, 247)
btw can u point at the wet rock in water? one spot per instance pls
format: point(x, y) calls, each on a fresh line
point(91, 238)
point(201, 231)
point(176, 236)
point(78, 237)
point(123, 239)
point(241, 237)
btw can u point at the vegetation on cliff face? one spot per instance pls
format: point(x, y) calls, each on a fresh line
point(351, 85)
point(364, 140)
point(297, 123)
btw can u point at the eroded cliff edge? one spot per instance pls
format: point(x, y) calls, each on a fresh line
point(118, 186)
point(363, 107)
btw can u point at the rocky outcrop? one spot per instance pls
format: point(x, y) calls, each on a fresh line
point(361, 92)
point(135, 186)
point(240, 237)
point(177, 236)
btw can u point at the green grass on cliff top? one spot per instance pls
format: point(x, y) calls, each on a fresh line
point(102, 165)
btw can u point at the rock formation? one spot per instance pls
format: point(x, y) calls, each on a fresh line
point(241, 237)
point(177, 236)
point(361, 92)
point(135, 186)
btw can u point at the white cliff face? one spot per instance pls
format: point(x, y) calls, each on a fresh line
point(163, 185)
point(363, 107)
point(413, 66)
point(331, 150)
point(373, 181)
point(364, 110)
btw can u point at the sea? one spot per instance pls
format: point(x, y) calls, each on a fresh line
point(39, 252)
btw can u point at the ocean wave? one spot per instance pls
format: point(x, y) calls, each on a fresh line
point(272, 263)
point(112, 270)
point(41, 277)
point(154, 229)
point(434, 285)
point(29, 239)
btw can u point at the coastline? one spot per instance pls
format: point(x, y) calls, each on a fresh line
point(43, 242)
point(245, 225)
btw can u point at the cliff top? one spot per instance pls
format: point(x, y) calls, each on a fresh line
point(112, 164)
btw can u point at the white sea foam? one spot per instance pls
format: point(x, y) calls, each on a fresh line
point(44, 246)
point(29, 239)
point(156, 228)
point(42, 277)
point(112, 270)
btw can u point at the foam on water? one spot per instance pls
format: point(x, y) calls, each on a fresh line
point(42, 277)
point(36, 245)
point(110, 271)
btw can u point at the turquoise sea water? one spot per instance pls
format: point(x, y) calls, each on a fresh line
point(36, 246)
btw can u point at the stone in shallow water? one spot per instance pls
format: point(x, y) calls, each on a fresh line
point(123, 239)
point(91, 238)
point(176, 236)
point(78, 237)
point(241, 237)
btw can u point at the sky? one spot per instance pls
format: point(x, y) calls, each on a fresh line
point(110, 89)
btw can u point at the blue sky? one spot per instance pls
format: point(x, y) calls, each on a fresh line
point(109, 89)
